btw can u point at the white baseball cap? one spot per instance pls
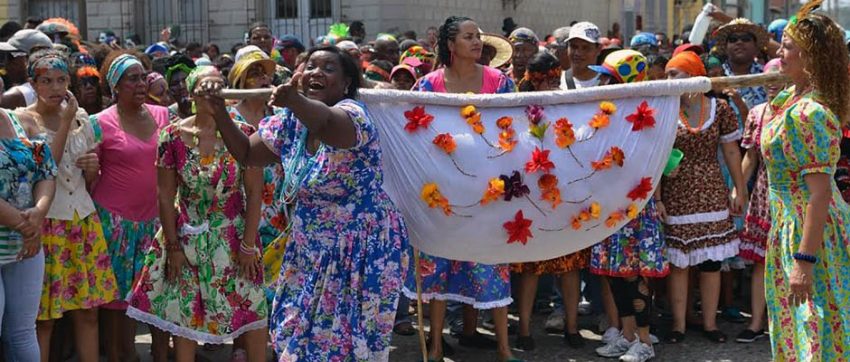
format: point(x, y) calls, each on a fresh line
point(585, 31)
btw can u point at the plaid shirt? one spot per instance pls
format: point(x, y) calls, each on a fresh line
point(752, 96)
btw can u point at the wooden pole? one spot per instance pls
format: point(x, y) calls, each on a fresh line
point(738, 81)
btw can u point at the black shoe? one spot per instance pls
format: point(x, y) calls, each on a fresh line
point(448, 350)
point(574, 340)
point(478, 341)
point(748, 336)
point(525, 343)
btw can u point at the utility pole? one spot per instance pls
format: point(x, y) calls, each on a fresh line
point(83, 22)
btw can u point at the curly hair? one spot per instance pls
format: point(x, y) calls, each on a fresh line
point(822, 43)
point(448, 32)
point(542, 66)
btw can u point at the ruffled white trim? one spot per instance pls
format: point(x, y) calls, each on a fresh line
point(712, 236)
point(713, 216)
point(681, 259)
point(731, 137)
point(711, 117)
point(192, 334)
point(460, 299)
point(755, 249)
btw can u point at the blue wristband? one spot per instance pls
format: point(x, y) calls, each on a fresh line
point(806, 257)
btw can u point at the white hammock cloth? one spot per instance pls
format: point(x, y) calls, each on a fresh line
point(478, 233)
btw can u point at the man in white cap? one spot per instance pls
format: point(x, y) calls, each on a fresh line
point(583, 47)
point(24, 42)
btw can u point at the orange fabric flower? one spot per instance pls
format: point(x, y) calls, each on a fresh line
point(468, 111)
point(632, 211)
point(595, 210)
point(539, 161)
point(600, 120)
point(417, 118)
point(642, 190)
point(506, 140)
point(504, 122)
point(608, 108)
point(603, 164)
point(576, 223)
point(564, 134)
point(614, 218)
point(475, 121)
point(617, 156)
point(549, 191)
point(519, 230)
point(547, 182)
point(445, 142)
point(495, 190)
point(434, 198)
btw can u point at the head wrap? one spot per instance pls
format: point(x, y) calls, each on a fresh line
point(626, 66)
point(375, 72)
point(712, 61)
point(179, 67)
point(687, 62)
point(156, 48)
point(196, 74)
point(802, 40)
point(87, 71)
point(118, 67)
point(152, 78)
point(245, 60)
point(46, 63)
point(644, 38)
point(523, 35)
point(776, 28)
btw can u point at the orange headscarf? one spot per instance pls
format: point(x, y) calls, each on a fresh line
point(688, 62)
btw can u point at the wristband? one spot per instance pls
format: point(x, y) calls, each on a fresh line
point(173, 246)
point(248, 250)
point(806, 258)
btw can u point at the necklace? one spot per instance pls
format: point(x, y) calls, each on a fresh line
point(686, 121)
point(298, 168)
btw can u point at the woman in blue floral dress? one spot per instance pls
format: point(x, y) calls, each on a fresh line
point(347, 250)
point(27, 170)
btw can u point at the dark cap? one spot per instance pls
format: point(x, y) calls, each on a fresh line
point(290, 41)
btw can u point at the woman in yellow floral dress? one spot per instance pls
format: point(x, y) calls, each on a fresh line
point(807, 258)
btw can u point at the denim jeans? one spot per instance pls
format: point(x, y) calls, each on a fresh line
point(20, 294)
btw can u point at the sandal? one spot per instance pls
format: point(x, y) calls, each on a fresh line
point(404, 329)
point(675, 337)
point(525, 343)
point(448, 350)
point(715, 336)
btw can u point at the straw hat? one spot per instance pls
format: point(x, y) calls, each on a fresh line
point(504, 49)
point(741, 25)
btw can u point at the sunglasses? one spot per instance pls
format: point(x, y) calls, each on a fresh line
point(92, 81)
point(734, 38)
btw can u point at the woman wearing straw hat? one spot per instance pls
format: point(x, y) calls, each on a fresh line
point(807, 259)
point(497, 50)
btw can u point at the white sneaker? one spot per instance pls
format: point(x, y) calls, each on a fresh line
point(611, 335)
point(654, 339)
point(616, 348)
point(555, 322)
point(639, 352)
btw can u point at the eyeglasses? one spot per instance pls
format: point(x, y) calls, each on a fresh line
point(92, 81)
point(734, 38)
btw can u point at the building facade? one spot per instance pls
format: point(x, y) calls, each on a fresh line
point(225, 21)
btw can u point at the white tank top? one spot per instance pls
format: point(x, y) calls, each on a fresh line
point(28, 92)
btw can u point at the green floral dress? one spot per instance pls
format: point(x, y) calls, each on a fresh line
point(210, 302)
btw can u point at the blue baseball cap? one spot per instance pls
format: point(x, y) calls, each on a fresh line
point(643, 39)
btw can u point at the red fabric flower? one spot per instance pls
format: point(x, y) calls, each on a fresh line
point(642, 190)
point(644, 117)
point(519, 230)
point(446, 142)
point(417, 118)
point(539, 162)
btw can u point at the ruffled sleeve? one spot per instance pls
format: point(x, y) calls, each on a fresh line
point(166, 153)
point(812, 137)
point(728, 123)
point(45, 164)
point(366, 130)
point(752, 127)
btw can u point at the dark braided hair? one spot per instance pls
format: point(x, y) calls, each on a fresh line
point(448, 31)
point(541, 63)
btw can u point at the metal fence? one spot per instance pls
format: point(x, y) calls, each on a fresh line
point(191, 17)
point(306, 19)
point(54, 8)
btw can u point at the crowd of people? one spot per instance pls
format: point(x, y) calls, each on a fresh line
point(132, 192)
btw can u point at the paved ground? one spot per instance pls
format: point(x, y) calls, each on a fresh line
point(551, 349)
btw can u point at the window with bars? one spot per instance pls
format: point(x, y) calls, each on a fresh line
point(287, 9)
point(321, 9)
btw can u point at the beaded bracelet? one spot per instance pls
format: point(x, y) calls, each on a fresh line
point(806, 257)
point(173, 246)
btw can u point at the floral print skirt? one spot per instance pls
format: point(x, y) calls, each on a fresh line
point(209, 302)
point(635, 250)
point(564, 264)
point(482, 286)
point(77, 267)
point(128, 241)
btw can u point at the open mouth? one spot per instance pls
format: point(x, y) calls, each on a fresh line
point(315, 86)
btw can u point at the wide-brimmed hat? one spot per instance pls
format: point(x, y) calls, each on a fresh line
point(245, 58)
point(504, 49)
point(741, 25)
